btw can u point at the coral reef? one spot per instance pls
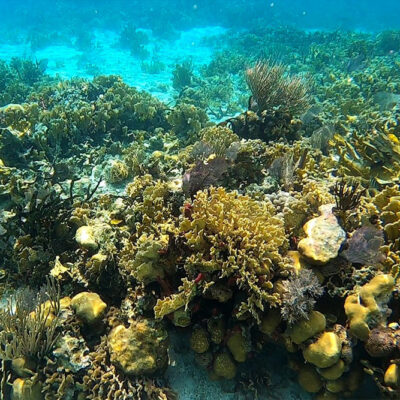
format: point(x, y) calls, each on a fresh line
point(234, 225)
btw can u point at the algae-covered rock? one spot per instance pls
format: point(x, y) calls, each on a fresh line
point(26, 389)
point(199, 341)
point(324, 352)
point(86, 239)
point(140, 349)
point(324, 237)
point(88, 307)
point(224, 366)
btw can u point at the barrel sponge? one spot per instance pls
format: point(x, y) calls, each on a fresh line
point(307, 328)
point(325, 351)
point(368, 306)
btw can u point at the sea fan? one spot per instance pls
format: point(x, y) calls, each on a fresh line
point(203, 175)
point(364, 246)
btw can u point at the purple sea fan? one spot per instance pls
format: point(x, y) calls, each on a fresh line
point(203, 175)
point(364, 246)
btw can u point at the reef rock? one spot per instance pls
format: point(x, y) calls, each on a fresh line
point(324, 237)
point(85, 237)
point(140, 349)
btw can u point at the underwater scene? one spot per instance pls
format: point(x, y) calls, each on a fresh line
point(199, 200)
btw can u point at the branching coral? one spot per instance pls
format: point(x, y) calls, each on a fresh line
point(233, 235)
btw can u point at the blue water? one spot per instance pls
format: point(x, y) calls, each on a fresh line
point(80, 38)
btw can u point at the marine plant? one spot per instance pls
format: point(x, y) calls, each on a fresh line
point(29, 323)
point(273, 90)
point(182, 75)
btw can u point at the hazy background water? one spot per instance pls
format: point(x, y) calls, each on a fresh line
point(184, 14)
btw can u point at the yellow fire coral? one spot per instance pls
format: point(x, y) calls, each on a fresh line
point(117, 171)
point(219, 139)
point(368, 306)
point(236, 236)
point(145, 266)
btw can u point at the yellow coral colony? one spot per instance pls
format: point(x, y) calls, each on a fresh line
point(368, 306)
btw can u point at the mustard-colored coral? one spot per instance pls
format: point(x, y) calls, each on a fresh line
point(392, 376)
point(388, 205)
point(238, 346)
point(216, 329)
point(309, 379)
point(199, 341)
point(270, 321)
point(307, 328)
point(224, 366)
point(325, 351)
point(366, 308)
point(333, 372)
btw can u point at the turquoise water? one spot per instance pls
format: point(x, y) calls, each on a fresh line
point(81, 39)
point(118, 116)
